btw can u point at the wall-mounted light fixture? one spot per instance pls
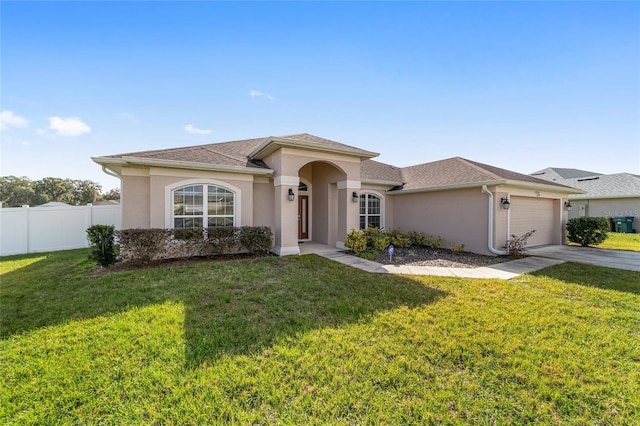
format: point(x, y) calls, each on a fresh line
point(505, 203)
point(355, 197)
point(567, 205)
point(291, 195)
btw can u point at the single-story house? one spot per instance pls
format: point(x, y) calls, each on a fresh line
point(307, 188)
point(613, 195)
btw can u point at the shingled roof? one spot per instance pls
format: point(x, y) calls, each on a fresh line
point(447, 173)
point(376, 172)
point(234, 153)
point(238, 154)
point(245, 155)
point(596, 185)
point(558, 174)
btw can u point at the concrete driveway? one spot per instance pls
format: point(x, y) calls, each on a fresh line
point(629, 260)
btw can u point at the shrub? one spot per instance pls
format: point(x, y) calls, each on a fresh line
point(381, 243)
point(372, 234)
point(434, 242)
point(141, 246)
point(368, 254)
point(417, 238)
point(356, 241)
point(377, 239)
point(187, 234)
point(222, 240)
point(101, 243)
point(398, 238)
point(516, 245)
point(587, 230)
point(457, 247)
point(256, 239)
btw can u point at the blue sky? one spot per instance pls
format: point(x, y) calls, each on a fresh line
point(518, 85)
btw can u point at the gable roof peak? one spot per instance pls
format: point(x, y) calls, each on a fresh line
point(308, 142)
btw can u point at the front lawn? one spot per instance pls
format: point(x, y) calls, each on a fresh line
point(621, 241)
point(303, 340)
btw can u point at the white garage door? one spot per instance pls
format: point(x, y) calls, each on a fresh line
point(529, 213)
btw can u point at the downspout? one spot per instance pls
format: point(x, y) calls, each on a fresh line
point(490, 227)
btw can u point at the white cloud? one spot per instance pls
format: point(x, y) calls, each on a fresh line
point(71, 126)
point(190, 128)
point(259, 94)
point(9, 119)
point(129, 118)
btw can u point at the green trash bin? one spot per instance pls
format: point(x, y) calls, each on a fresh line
point(624, 224)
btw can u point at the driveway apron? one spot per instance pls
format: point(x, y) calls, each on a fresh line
point(629, 260)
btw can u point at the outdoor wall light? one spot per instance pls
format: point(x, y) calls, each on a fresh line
point(291, 195)
point(567, 205)
point(354, 197)
point(504, 202)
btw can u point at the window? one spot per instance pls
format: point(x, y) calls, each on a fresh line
point(370, 211)
point(202, 206)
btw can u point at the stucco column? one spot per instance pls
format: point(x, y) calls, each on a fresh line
point(348, 211)
point(286, 216)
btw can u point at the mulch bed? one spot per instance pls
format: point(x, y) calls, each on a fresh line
point(425, 256)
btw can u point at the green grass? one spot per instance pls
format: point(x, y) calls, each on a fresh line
point(620, 241)
point(302, 340)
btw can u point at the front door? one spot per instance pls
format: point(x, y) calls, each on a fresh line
point(303, 217)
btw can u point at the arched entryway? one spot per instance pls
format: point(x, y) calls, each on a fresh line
point(320, 209)
point(314, 199)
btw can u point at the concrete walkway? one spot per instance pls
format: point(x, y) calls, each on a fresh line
point(505, 271)
point(629, 260)
point(539, 258)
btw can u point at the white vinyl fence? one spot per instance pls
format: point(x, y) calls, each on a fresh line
point(37, 229)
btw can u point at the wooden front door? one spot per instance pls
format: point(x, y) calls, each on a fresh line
point(303, 217)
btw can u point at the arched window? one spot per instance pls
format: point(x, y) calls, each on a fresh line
point(203, 206)
point(370, 211)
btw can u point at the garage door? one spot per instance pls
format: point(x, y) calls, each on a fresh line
point(529, 213)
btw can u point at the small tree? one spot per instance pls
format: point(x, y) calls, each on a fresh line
point(587, 231)
point(101, 242)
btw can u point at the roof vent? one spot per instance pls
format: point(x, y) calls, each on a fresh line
point(591, 178)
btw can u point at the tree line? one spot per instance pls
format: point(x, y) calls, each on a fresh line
point(18, 191)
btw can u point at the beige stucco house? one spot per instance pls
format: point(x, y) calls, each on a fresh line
point(307, 188)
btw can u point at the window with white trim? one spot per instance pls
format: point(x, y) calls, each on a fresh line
point(202, 206)
point(370, 211)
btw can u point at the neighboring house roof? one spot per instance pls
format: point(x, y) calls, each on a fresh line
point(54, 204)
point(619, 185)
point(595, 185)
point(460, 172)
point(106, 203)
point(558, 173)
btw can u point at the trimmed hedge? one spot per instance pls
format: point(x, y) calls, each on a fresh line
point(139, 246)
point(587, 231)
